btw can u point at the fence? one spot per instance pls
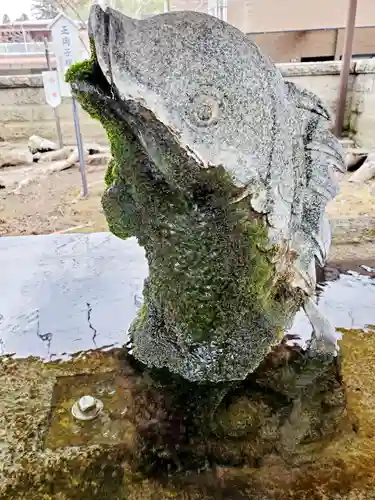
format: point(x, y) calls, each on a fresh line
point(22, 48)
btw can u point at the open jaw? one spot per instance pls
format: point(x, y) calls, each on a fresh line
point(155, 146)
point(130, 122)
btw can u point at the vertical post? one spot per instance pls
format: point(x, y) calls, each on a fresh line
point(55, 110)
point(336, 44)
point(345, 67)
point(167, 6)
point(77, 127)
point(221, 10)
point(24, 39)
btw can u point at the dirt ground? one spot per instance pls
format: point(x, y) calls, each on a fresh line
point(53, 204)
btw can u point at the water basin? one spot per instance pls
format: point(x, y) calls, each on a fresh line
point(62, 294)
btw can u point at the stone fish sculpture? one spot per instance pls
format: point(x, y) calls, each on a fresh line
point(222, 170)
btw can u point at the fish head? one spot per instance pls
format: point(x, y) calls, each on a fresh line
point(193, 84)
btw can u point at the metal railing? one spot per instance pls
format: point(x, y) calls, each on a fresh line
point(17, 48)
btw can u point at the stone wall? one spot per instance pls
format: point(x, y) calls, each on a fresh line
point(23, 110)
point(324, 78)
point(362, 118)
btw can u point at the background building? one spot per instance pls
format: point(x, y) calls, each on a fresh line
point(295, 30)
point(287, 30)
point(22, 47)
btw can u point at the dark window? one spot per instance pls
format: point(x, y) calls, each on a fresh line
point(361, 56)
point(317, 59)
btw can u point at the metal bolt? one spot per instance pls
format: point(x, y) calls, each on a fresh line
point(87, 408)
point(86, 404)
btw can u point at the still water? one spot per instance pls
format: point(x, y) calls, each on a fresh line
point(61, 294)
point(67, 293)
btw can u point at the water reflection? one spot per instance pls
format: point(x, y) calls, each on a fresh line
point(68, 293)
point(348, 302)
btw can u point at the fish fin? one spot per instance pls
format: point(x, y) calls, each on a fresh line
point(323, 330)
point(323, 161)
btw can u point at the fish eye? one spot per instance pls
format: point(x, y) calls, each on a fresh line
point(204, 111)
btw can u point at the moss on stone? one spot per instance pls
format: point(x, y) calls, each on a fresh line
point(233, 279)
point(209, 273)
point(345, 469)
point(80, 71)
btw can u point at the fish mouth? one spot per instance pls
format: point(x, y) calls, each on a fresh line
point(100, 98)
point(94, 90)
point(155, 141)
point(171, 157)
point(118, 77)
point(90, 78)
point(92, 83)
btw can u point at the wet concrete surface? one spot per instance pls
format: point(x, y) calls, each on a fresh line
point(61, 294)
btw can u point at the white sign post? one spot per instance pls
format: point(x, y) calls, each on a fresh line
point(51, 88)
point(48, 83)
point(53, 97)
point(69, 49)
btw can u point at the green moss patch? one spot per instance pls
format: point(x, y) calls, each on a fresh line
point(210, 275)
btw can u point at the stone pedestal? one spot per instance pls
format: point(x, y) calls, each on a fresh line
point(283, 434)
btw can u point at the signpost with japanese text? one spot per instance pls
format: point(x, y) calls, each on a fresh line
point(69, 49)
point(67, 46)
point(49, 85)
point(51, 88)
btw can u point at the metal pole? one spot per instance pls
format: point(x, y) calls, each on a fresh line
point(24, 39)
point(167, 6)
point(55, 110)
point(345, 67)
point(85, 190)
point(220, 10)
